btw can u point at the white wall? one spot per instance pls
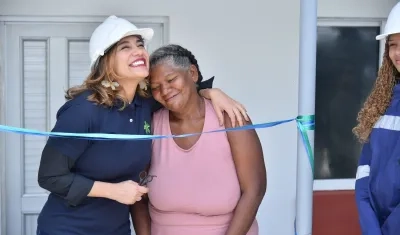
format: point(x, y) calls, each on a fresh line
point(252, 49)
point(2, 145)
point(355, 8)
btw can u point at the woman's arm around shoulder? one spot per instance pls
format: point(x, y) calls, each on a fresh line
point(224, 104)
point(250, 167)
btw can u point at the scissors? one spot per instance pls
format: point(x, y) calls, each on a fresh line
point(145, 178)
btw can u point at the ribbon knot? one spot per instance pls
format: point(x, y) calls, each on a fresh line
point(307, 123)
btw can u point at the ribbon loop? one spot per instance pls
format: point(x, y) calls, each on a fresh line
point(307, 123)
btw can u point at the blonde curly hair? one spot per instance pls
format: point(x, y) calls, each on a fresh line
point(378, 100)
point(104, 72)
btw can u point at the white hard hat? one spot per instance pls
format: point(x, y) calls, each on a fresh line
point(110, 32)
point(392, 24)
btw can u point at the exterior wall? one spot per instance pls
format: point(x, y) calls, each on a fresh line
point(246, 51)
point(251, 49)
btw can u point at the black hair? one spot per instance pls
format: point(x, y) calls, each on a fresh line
point(176, 54)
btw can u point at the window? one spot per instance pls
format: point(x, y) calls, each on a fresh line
point(348, 59)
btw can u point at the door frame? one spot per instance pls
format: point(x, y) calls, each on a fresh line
point(347, 184)
point(2, 135)
point(11, 19)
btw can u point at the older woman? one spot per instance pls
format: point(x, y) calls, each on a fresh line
point(93, 183)
point(206, 184)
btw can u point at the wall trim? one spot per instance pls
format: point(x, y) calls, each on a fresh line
point(377, 22)
point(334, 184)
point(350, 19)
point(347, 184)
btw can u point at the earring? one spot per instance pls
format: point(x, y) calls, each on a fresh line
point(143, 85)
point(108, 84)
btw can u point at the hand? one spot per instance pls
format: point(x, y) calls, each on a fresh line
point(222, 102)
point(127, 192)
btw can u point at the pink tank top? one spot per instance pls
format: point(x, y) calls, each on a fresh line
point(196, 190)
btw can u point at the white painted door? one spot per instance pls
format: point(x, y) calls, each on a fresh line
point(43, 59)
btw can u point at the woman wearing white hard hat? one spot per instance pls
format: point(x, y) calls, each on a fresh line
point(378, 174)
point(94, 184)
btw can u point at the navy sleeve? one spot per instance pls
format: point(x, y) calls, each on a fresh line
point(73, 118)
point(206, 84)
point(55, 176)
point(155, 106)
point(367, 217)
point(60, 154)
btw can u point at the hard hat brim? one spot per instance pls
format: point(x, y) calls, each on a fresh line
point(146, 33)
point(381, 36)
point(385, 35)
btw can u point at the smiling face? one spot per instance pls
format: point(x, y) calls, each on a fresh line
point(394, 50)
point(131, 59)
point(173, 86)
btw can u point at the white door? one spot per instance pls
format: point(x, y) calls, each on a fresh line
point(43, 59)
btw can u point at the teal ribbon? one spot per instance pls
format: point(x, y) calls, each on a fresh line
point(304, 124)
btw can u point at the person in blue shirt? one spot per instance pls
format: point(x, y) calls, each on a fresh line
point(94, 184)
point(377, 185)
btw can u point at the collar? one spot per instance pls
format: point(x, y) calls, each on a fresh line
point(137, 102)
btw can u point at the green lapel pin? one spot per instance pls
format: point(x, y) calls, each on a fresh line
point(146, 127)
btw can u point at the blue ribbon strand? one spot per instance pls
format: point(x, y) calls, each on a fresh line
point(101, 136)
point(304, 123)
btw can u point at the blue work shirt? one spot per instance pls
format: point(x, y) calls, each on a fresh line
point(378, 175)
point(94, 160)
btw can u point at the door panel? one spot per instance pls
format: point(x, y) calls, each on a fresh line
point(43, 60)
